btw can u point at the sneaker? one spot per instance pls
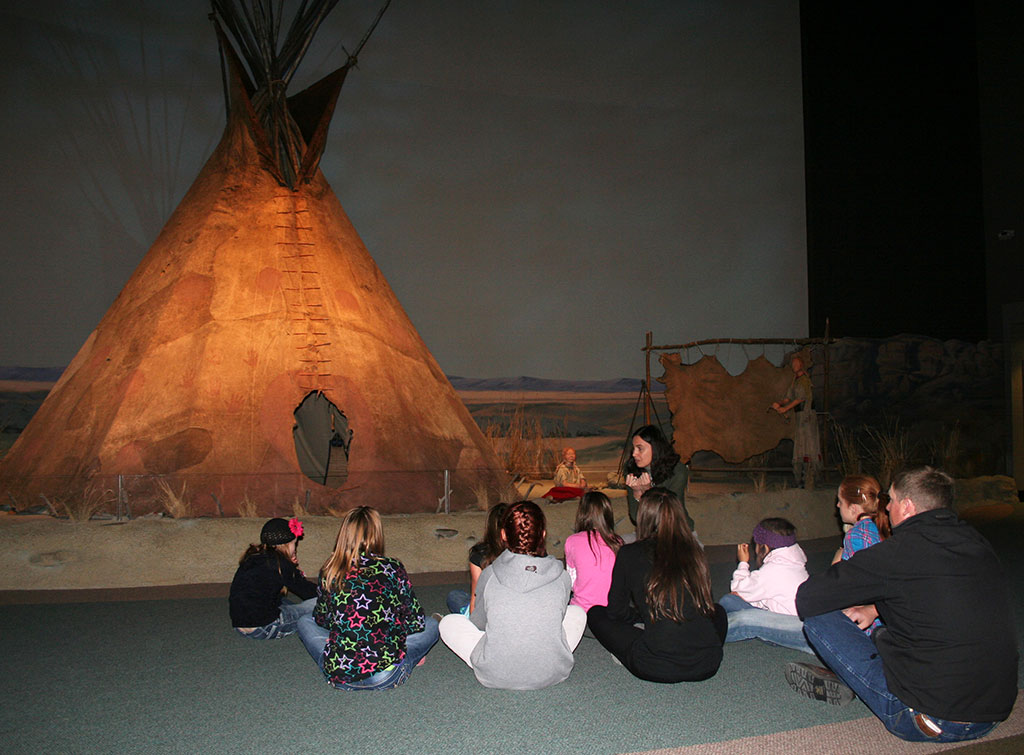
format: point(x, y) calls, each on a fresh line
point(817, 683)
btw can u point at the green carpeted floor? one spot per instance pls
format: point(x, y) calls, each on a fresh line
point(171, 676)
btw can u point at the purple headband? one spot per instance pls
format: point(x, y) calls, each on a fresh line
point(772, 539)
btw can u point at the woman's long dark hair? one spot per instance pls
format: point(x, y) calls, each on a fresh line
point(595, 517)
point(678, 564)
point(663, 456)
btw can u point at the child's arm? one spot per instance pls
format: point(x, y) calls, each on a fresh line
point(410, 604)
point(740, 577)
point(624, 573)
point(474, 577)
point(742, 572)
point(296, 581)
point(479, 613)
point(750, 585)
point(570, 560)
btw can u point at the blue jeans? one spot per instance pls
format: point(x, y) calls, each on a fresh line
point(285, 624)
point(852, 655)
point(457, 600)
point(314, 637)
point(747, 622)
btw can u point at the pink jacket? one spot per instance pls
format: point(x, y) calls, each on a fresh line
point(773, 586)
point(591, 572)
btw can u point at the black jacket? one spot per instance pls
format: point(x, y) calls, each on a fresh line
point(949, 646)
point(666, 651)
point(255, 598)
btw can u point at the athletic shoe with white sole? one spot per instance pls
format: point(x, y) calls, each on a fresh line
point(817, 683)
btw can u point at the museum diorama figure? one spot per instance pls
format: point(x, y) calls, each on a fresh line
point(798, 403)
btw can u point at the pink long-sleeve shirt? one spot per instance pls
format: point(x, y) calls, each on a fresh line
point(590, 569)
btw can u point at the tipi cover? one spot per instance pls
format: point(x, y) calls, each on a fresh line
point(256, 299)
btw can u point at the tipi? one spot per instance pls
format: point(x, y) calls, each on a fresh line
point(257, 357)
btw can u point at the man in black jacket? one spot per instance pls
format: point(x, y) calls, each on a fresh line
point(944, 665)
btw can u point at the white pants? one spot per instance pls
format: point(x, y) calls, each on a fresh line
point(461, 635)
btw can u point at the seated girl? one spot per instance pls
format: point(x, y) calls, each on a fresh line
point(368, 630)
point(762, 603)
point(521, 633)
point(862, 507)
point(861, 504)
point(480, 557)
point(265, 574)
point(663, 581)
point(590, 552)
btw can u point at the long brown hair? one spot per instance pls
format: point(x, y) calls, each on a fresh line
point(493, 543)
point(524, 529)
point(867, 493)
point(360, 532)
point(594, 516)
point(678, 564)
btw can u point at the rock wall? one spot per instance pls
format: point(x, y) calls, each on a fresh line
point(931, 387)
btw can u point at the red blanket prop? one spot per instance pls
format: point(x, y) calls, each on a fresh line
point(563, 493)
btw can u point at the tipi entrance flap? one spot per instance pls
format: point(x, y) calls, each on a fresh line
point(322, 440)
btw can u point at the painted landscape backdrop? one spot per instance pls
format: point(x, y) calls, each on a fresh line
point(883, 403)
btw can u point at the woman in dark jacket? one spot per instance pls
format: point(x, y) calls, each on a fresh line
point(663, 581)
point(653, 462)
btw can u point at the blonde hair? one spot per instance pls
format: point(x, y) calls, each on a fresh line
point(360, 532)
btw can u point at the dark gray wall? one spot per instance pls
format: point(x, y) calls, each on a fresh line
point(1000, 26)
point(896, 239)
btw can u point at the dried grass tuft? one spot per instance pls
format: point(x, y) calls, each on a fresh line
point(944, 450)
point(82, 508)
point(759, 477)
point(851, 450)
point(247, 507)
point(520, 445)
point(509, 493)
point(177, 505)
point(892, 450)
point(760, 480)
point(482, 491)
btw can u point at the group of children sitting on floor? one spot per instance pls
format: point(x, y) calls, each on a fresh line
point(648, 602)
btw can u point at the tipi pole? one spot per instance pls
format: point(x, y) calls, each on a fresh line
point(632, 424)
point(647, 378)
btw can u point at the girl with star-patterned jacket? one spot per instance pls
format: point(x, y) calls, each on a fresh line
point(368, 630)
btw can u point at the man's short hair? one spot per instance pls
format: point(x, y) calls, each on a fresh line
point(929, 488)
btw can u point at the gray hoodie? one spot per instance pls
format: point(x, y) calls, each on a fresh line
point(520, 604)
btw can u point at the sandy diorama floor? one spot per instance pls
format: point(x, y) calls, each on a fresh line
point(45, 553)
